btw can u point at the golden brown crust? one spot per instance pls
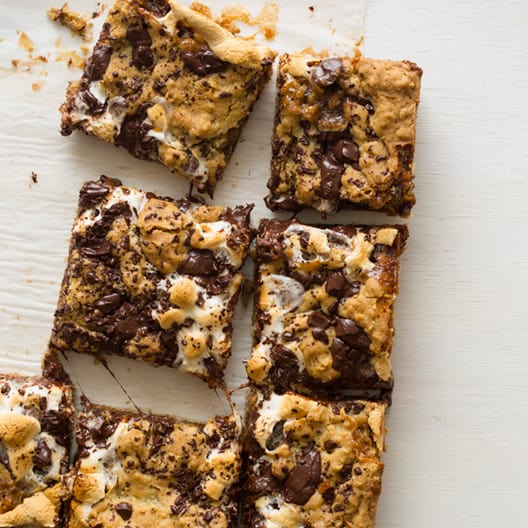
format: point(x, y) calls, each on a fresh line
point(344, 134)
point(170, 85)
point(313, 463)
point(142, 470)
point(324, 306)
point(35, 420)
point(152, 279)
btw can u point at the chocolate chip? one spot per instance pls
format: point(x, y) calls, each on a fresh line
point(304, 477)
point(352, 334)
point(108, 303)
point(320, 335)
point(95, 106)
point(133, 132)
point(91, 194)
point(100, 249)
point(203, 62)
point(57, 424)
point(5, 389)
point(264, 482)
point(127, 322)
point(199, 262)
point(318, 320)
point(97, 64)
point(124, 510)
point(214, 369)
point(276, 438)
point(327, 72)
point(330, 445)
point(346, 151)
point(42, 455)
point(179, 506)
point(336, 283)
point(139, 37)
point(158, 7)
point(331, 171)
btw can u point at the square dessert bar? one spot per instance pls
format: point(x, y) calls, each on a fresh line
point(324, 307)
point(139, 470)
point(344, 134)
point(312, 463)
point(35, 428)
point(170, 85)
point(152, 278)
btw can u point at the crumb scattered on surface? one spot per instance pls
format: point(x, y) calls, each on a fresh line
point(25, 42)
point(266, 20)
point(77, 23)
point(70, 57)
point(311, 8)
point(36, 86)
point(34, 177)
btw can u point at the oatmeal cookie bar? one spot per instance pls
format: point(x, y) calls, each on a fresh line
point(170, 85)
point(344, 134)
point(140, 470)
point(324, 307)
point(152, 278)
point(35, 427)
point(312, 463)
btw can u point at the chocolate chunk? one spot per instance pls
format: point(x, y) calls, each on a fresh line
point(139, 37)
point(331, 171)
point(97, 64)
point(158, 7)
point(100, 249)
point(276, 438)
point(124, 510)
point(304, 478)
point(57, 424)
point(215, 371)
point(264, 482)
point(203, 62)
point(109, 303)
point(346, 151)
point(318, 320)
point(285, 366)
point(336, 283)
point(127, 321)
point(133, 132)
point(327, 72)
point(42, 455)
point(91, 194)
point(179, 506)
point(199, 262)
point(320, 335)
point(352, 334)
point(95, 106)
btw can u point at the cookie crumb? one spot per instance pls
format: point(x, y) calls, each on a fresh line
point(25, 42)
point(311, 8)
point(34, 177)
point(77, 23)
point(36, 86)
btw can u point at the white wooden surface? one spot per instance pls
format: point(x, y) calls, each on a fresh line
point(458, 428)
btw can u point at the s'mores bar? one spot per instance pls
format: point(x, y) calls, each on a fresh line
point(311, 462)
point(152, 278)
point(170, 85)
point(139, 470)
point(344, 134)
point(35, 428)
point(324, 307)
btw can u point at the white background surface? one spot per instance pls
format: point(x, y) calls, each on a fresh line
point(458, 428)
